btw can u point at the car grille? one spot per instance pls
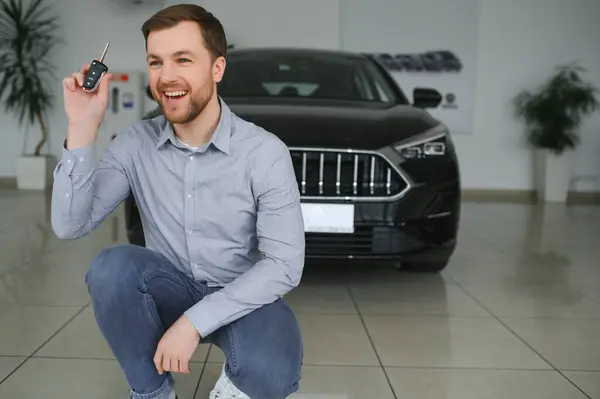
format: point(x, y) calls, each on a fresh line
point(329, 174)
point(366, 241)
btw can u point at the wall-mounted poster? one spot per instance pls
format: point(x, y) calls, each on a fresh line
point(423, 43)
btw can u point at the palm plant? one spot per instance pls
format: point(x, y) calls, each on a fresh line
point(554, 112)
point(27, 37)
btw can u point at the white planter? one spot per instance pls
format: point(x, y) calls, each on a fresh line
point(549, 230)
point(35, 173)
point(553, 175)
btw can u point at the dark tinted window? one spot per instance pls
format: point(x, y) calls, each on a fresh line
point(319, 76)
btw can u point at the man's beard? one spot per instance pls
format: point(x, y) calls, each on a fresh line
point(194, 107)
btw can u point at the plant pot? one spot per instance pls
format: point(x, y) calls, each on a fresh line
point(548, 230)
point(553, 175)
point(35, 172)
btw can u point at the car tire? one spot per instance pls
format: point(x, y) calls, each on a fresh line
point(424, 266)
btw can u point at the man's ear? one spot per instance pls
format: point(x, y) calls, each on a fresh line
point(219, 69)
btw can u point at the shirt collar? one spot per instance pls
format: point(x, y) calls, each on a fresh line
point(221, 138)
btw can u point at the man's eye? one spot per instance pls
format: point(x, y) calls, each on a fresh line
point(154, 63)
point(182, 60)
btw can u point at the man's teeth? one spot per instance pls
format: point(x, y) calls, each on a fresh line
point(175, 93)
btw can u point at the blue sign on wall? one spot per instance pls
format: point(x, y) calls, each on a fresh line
point(128, 100)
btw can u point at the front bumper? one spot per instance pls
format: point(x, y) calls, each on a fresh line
point(424, 222)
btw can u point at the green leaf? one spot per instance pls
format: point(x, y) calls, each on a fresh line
point(27, 38)
point(554, 112)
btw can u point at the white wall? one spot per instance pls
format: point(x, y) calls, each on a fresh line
point(266, 23)
point(519, 42)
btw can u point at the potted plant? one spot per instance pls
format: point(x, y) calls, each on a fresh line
point(552, 116)
point(27, 82)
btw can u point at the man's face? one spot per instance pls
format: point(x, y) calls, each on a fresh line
point(181, 73)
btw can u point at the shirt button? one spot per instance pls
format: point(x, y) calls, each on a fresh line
point(67, 195)
point(81, 159)
point(191, 157)
point(69, 160)
point(189, 196)
point(190, 232)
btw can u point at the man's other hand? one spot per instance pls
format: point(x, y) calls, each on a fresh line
point(176, 347)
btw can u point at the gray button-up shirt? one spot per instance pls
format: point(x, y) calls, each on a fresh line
point(227, 214)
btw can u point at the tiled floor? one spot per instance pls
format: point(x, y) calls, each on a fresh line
point(515, 315)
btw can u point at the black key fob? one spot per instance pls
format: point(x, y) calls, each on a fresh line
point(94, 75)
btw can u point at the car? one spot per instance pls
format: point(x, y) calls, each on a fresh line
point(378, 175)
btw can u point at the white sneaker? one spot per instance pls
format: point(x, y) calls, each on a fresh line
point(224, 389)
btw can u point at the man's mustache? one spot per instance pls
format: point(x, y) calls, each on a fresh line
point(172, 87)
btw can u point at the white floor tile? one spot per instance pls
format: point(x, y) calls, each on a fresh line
point(80, 378)
point(415, 299)
point(8, 365)
point(533, 267)
point(23, 329)
point(449, 342)
point(321, 298)
point(588, 381)
point(567, 344)
point(540, 301)
point(496, 384)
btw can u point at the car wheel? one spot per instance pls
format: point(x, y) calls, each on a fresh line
point(424, 266)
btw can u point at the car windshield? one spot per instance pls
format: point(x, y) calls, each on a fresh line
point(310, 76)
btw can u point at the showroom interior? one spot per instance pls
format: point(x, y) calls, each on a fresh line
point(514, 310)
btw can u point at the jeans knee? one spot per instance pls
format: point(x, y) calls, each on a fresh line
point(112, 269)
point(267, 380)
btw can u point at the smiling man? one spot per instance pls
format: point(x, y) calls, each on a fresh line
point(221, 213)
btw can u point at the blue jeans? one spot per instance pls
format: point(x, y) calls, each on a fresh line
point(137, 294)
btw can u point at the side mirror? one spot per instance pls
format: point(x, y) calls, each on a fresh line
point(426, 98)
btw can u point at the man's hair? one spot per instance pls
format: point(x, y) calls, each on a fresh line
point(211, 28)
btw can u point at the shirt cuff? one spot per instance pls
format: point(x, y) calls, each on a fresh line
point(78, 160)
point(202, 319)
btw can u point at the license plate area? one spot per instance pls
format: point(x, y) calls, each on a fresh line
point(328, 218)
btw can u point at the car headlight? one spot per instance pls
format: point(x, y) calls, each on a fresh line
point(427, 145)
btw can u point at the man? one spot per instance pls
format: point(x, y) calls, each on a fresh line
point(221, 213)
point(156, 111)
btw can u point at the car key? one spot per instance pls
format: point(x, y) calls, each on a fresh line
point(96, 72)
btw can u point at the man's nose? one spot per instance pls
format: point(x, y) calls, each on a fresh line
point(168, 73)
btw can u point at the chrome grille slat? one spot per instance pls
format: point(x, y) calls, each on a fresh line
point(388, 184)
point(338, 174)
point(372, 176)
point(355, 175)
point(321, 170)
point(304, 173)
point(355, 181)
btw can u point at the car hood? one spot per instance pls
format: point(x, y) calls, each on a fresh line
point(363, 126)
